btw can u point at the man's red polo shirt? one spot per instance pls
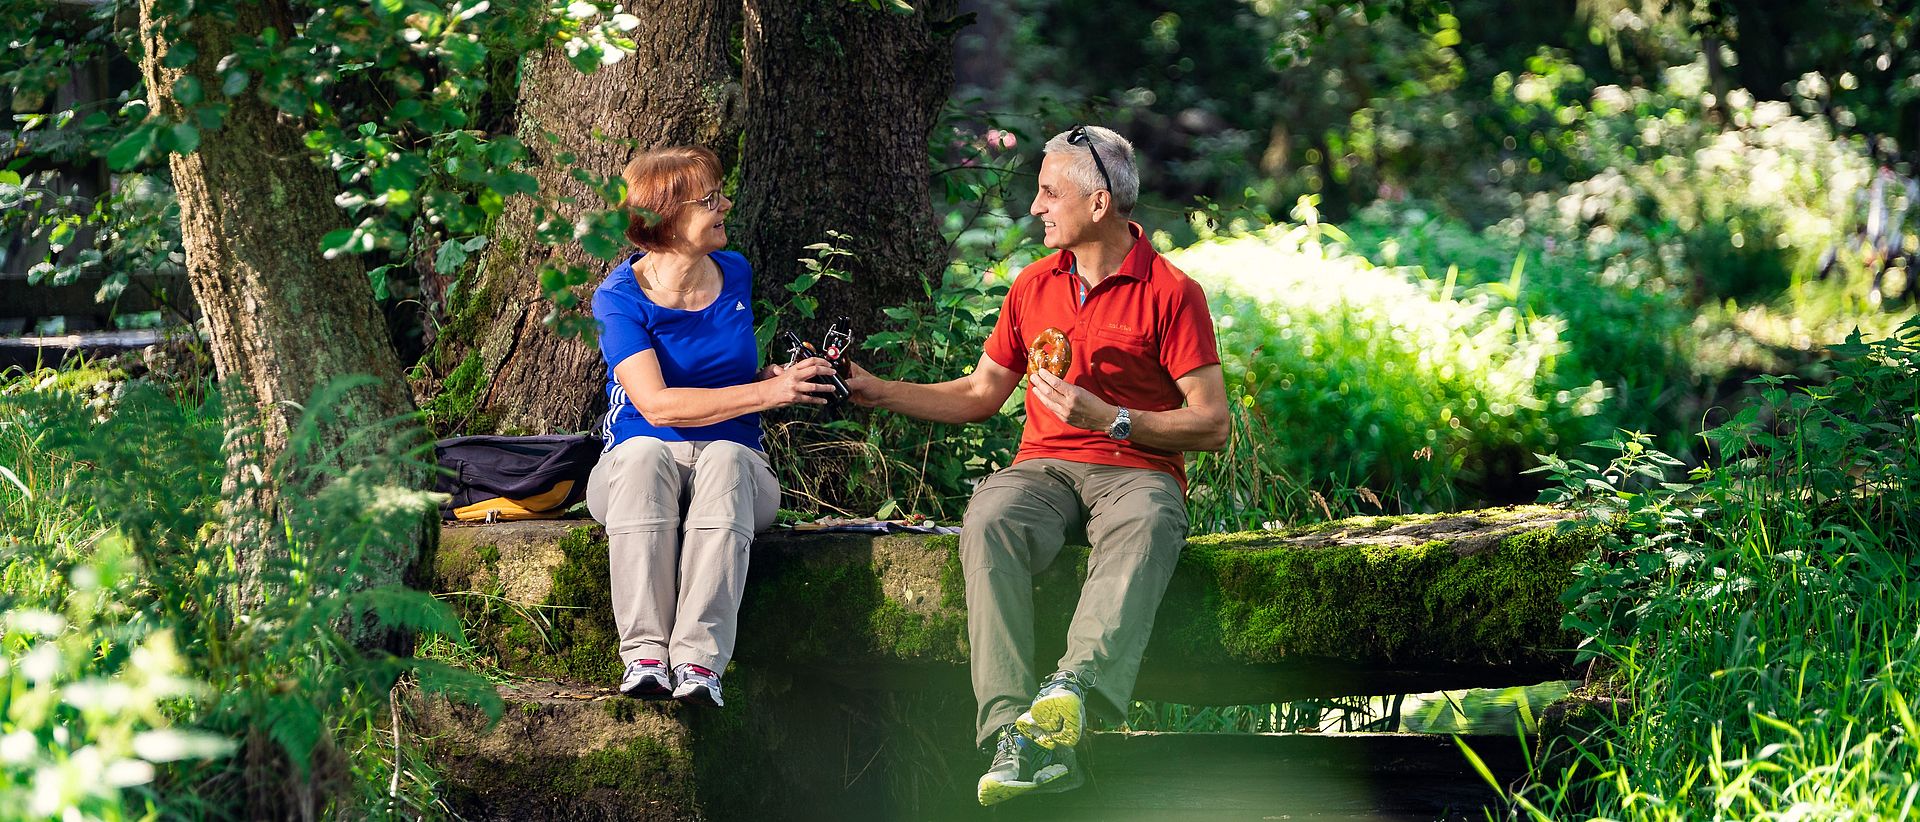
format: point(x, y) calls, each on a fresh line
point(1140, 329)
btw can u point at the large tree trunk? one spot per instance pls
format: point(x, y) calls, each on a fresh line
point(283, 320)
point(677, 88)
point(840, 101)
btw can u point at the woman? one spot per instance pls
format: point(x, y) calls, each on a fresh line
point(683, 485)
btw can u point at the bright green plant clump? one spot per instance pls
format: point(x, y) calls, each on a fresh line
point(156, 666)
point(1426, 392)
point(1758, 623)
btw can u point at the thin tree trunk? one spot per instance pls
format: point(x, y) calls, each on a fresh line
point(678, 88)
point(282, 319)
point(841, 99)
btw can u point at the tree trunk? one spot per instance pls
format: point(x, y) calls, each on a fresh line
point(841, 99)
point(283, 320)
point(510, 371)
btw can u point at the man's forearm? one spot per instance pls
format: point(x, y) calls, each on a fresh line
point(1180, 429)
point(953, 401)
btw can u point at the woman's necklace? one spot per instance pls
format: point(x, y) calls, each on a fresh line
point(653, 277)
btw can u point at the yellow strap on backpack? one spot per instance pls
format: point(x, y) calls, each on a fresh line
point(544, 505)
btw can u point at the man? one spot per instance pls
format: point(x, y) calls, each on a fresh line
point(1101, 454)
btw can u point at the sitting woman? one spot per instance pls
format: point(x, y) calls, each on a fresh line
point(683, 485)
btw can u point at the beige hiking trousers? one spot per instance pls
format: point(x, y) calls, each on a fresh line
point(1016, 524)
point(680, 519)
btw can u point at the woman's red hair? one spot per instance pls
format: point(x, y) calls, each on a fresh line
point(659, 184)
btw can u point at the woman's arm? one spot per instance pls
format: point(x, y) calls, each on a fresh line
point(668, 407)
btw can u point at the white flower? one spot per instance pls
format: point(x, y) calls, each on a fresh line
point(167, 745)
point(17, 747)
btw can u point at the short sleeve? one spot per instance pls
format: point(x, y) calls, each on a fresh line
point(622, 333)
point(1004, 345)
point(1188, 342)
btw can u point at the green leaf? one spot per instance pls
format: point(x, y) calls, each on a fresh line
point(458, 685)
point(296, 725)
point(398, 606)
point(378, 276)
point(233, 83)
point(337, 239)
point(179, 54)
point(131, 149)
point(187, 90)
point(449, 258)
point(181, 138)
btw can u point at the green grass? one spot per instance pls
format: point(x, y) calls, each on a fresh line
point(1756, 628)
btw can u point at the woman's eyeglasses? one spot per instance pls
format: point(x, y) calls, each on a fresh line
point(711, 201)
point(1078, 136)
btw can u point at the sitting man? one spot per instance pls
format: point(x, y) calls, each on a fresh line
point(1101, 454)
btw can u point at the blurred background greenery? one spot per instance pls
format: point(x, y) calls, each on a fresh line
point(1441, 238)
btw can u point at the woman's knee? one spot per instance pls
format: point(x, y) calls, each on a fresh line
point(636, 482)
point(640, 453)
point(725, 454)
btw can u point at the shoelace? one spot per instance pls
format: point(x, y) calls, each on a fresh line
point(1009, 747)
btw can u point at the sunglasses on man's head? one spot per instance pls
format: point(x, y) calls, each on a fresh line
point(1079, 136)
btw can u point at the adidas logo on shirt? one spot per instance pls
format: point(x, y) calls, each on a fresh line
point(739, 306)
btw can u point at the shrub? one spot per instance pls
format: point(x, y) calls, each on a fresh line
point(137, 636)
point(1425, 391)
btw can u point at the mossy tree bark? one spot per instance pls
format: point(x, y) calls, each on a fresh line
point(515, 373)
point(841, 100)
point(284, 321)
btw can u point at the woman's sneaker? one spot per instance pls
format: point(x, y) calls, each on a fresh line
point(1021, 767)
point(646, 679)
point(1059, 711)
point(697, 685)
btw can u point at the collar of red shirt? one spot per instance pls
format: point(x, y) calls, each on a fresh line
point(1139, 261)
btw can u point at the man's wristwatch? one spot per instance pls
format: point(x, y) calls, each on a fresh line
point(1122, 426)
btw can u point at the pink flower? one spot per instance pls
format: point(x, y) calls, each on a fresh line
point(1001, 139)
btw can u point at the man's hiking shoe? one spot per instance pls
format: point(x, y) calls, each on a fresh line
point(697, 685)
point(1020, 767)
point(1059, 712)
point(646, 679)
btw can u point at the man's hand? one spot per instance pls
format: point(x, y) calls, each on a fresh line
point(1077, 406)
point(864, 386)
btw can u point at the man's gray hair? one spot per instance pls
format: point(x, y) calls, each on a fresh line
point(1115, 153)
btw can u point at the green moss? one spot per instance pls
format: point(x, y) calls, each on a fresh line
point(1235, 599)
point(1375, 602)
point(569, 635)
point(451, 411)
point(644, 778)
point(643, 761)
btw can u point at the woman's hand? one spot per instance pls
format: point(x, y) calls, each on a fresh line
point(793, 385)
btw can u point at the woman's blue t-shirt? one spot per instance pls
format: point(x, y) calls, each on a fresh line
point(712, 347)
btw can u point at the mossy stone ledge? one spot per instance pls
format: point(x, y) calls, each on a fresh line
point(1369, 605)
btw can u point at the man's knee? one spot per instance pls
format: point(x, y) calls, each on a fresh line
point(991, 533)
point(1145, 519)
